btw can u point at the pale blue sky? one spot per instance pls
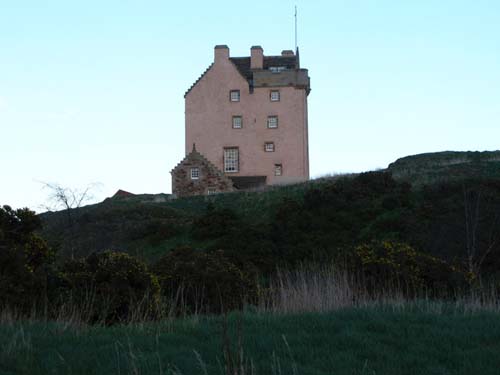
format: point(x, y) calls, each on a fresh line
point(92, 91)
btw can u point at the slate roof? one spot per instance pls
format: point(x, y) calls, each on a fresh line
point(243, 64)
point(248, 182)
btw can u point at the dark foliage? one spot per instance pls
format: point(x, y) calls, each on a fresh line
point(25, 261)
point(215, 223)
point(204, 281)
point(386, 265)
point(110, 286)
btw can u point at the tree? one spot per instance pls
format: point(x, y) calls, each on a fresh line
point(68, 199)
point(65, 198)
point(482, 226)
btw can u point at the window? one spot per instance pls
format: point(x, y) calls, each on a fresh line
point(231, 159)
point(278, 169)
point(277, 69)
point(269, 146)
point(234, 95)
point(275, 96)
point(195, 173)
point(211, 191)
point(237, 122)
point(272, 122)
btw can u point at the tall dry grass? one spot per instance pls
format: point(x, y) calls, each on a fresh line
point(324, 288)
point(308, 288)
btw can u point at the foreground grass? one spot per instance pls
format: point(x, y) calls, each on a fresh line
point(351, 341)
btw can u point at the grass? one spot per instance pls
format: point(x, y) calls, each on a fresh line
point(367, 340)
point(316, 321)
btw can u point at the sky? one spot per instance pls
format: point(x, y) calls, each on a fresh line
point(93, 91)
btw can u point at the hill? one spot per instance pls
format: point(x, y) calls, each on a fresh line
point(419, 200)
point(431, 168)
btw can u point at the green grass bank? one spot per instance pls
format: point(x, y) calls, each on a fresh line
point(373, 340)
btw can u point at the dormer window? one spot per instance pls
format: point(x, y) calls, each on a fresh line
point(234, 95)
point(195, 173)
point(275, 95)
point(277, 69)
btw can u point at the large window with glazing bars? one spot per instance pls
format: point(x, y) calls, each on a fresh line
point(231, 159)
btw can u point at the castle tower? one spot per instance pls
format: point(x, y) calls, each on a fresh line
point(248, 117)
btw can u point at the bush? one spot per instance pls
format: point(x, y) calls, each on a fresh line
point(25, 260)
point(111, 287)
point(388, 264)
point(204, 281)
point(214, 223)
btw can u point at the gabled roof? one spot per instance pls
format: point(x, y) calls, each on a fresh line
point(195, 156)
point(243, 64)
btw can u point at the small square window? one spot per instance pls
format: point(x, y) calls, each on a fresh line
point(275, 96)
point(195, 173)
point(237, 122)
point(234, 95)
point(272, 122)
point(211, 191)
point(278, 170)
point(269, 146)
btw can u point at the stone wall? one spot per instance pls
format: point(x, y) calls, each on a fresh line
point(210, 177)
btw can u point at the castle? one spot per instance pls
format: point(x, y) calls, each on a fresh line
point(245, 124)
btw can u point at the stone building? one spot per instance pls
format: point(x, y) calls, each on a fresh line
point(195, 175)
point(248, 119)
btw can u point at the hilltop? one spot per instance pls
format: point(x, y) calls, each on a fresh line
point(437, 167)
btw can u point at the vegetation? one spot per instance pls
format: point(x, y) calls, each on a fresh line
point(425, 169)
point(381, 252)
point(385, 341)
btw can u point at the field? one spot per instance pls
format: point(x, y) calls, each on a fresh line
point(371, 340)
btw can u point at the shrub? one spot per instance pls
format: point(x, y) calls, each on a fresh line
point(214, 223)
point(388, 264)
point(111, 287)
point(204, 281)
point(25, 260)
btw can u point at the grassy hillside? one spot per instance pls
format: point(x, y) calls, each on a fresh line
point(420, 200)
point(353, 341)
point(439, 167)
point(147, 225)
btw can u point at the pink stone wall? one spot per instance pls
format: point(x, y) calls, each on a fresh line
point(209, 124)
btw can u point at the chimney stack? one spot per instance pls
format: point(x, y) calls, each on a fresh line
point(256, 57)
point(221, 53)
